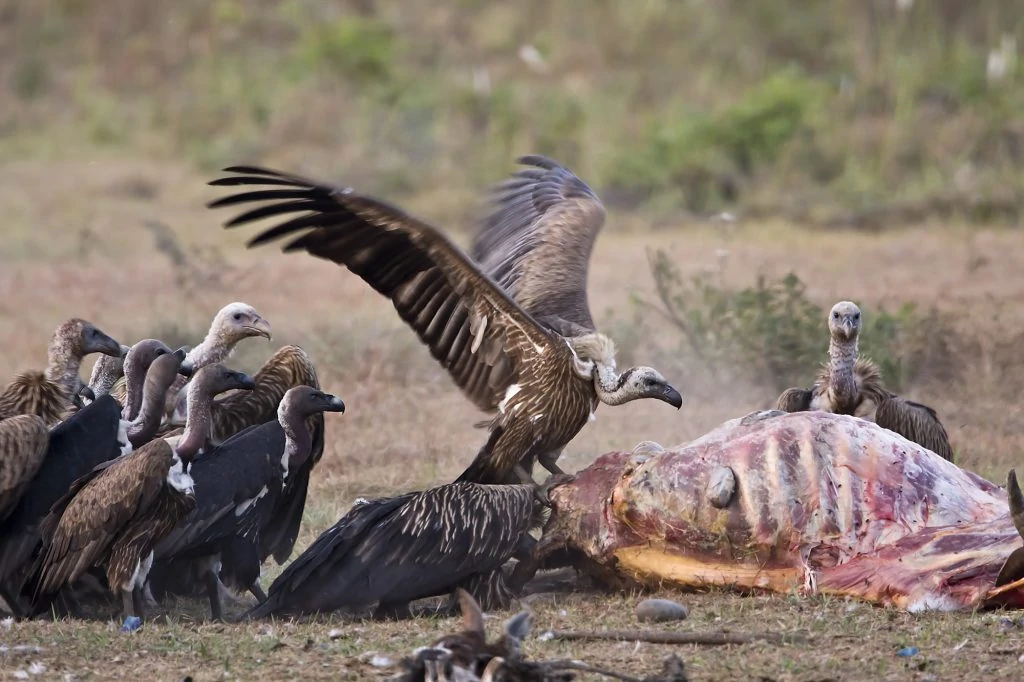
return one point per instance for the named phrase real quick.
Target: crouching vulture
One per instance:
(514, 331)
(115, 515)
(239, 486)
(852, 385)
(392, 551)
(49, 394)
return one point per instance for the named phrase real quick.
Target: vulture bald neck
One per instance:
(511, 324)
(852, 385)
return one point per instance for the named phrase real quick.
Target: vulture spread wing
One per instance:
(472, 327)
(537, 240)
(85, 523)
(915, 422)
(23, 442)
(399, 549)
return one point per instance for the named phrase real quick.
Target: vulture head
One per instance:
(163, 369)
(216, 378)
(237, 321)
(642, 382)
(142, 354)
(844, 322)
(303, 401)
(78, 338)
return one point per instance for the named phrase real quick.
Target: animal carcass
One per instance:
(819, 502)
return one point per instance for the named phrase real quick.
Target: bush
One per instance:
(775, 335)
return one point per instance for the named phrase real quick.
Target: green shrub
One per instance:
(356, 47)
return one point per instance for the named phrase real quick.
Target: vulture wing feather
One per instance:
(436, 289)
(915, 422)
(23, 442)
(537, 241)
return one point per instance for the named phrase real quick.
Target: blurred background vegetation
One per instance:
(862, 113)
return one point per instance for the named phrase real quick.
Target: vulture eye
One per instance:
(237, 316)
(857, 316)
(835, 316)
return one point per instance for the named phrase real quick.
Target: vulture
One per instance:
(234, 322)
(467, 655)
(23, 442)
(49, 394)
(392, 551)
(514, 331)
(238, 487)
(93, 435)
(116, 514)
(852, 385)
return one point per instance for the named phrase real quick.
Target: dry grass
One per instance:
(75, 244)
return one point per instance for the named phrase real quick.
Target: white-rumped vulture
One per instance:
(391, 551)
(239, 486)
(116, 514)
(515, 332)
(852, 385)
(50, 394)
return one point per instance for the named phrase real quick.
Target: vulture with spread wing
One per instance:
(514, 330)
(852, 385)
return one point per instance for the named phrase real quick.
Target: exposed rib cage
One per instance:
(822, 502)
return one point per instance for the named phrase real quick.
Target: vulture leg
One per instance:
(139, 600)
(257, 591)
(210, 571)
(549, 460)
(128, 604)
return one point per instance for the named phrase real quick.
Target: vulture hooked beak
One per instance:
(124, 351)
(244, 381)
(849, 326)
(671, 396)
(187, 367)
(101, 343)
(260, 327)
(334, 403)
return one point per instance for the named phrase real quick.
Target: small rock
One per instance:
(655, 610)
(335, 633)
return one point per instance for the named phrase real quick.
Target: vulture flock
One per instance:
(170, 474)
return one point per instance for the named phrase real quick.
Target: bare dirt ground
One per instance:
(75, 244)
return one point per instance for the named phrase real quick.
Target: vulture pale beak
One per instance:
(334, 403)
(671, 396)
(260, 327)
(848, 326)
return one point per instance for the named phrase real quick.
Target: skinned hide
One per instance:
(813, 501)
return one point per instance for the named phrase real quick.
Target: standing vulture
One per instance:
(87, 438)
(392, 551)
(49, 394)
(232, 323)
(852, 385)
(239, 485)
(523, 344)
(116, 514)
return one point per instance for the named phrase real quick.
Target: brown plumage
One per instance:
(23, 442)
(544, 376)
(289, 367)
(115, 515)
(105, 373)
(852, 385)
(49, 394)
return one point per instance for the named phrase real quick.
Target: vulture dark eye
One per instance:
(835, 316)
(237, 316)
(857, 316)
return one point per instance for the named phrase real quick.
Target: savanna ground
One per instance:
(114, 119)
